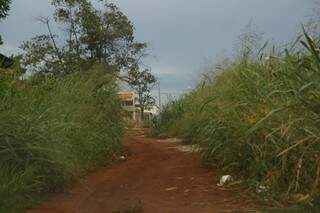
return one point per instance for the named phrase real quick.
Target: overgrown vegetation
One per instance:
(142, 83)
(59, 109)
(52, 130)
(91, 34)
(4, 8)
(258, 119)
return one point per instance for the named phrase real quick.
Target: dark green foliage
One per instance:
(52, 130)
(142, 82)
(42, 56)
(169, 115)
(259, 120)
(5, 62)
(92, 35)
(4, 8)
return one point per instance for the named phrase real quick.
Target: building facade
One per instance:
(132, 110)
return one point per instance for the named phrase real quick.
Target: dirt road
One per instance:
(155, 177)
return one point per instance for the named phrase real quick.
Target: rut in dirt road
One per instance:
(155, 178)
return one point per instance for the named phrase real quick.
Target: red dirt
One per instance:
(154, 178)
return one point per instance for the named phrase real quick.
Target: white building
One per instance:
(130, 103)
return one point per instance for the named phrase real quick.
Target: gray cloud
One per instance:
(181, 34)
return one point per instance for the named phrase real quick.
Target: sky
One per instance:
(184, 36)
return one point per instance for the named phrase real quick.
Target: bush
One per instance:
(52, 130)
(259, 120)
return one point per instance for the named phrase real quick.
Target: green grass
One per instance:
(53, 130)
(259, 120)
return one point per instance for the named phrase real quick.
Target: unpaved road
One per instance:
(154, 178)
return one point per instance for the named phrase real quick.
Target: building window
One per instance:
(127, 103)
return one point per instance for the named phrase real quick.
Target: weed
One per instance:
(52, 130)
(259, 120)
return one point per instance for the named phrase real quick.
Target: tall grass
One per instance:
(258, 119)
(52, 130)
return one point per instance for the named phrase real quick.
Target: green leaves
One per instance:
(4, 8)
(142, 82)
(311, 46)
(92, 34)
(52, 130)
(258, 120)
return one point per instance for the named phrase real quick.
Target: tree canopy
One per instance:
(142, 82)
(4, 8)
(91, 35)
(102, 35)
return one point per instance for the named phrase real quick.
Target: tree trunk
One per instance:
(142, 114)
(46, 21)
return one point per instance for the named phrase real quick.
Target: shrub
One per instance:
(259, 120)
(52, 130)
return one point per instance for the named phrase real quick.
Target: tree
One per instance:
(142, 82)
(107, 36)
(43, 56)
(4, 8)
(95, 35)
(67, 13)
(5, 62)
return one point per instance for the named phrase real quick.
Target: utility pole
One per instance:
(159, 94)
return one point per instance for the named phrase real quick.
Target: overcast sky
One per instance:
(183, 35)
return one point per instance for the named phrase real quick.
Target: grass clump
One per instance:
(258, 119)
(52, 130)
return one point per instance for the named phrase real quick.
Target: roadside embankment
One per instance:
(53, 130)
(258, 119)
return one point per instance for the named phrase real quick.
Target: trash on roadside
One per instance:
(171, 189)
(122, 157)
(262, 189)
(225, 180)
